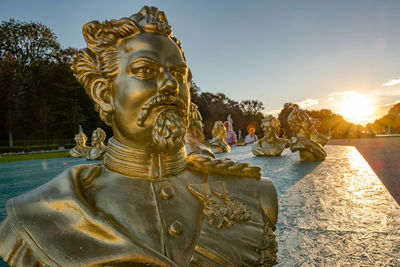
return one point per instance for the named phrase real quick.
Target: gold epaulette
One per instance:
(204, 164)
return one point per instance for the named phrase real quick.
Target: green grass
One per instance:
(22, 157)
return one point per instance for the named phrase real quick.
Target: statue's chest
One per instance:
(173, 217)
(164, 214)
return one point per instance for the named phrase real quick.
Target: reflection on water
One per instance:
(360, 183)
(335, 212)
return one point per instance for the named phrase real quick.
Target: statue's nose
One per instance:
(168, 84)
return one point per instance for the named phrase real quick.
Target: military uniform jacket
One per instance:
(92, 216)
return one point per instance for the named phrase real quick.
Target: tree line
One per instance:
(40, 100)
(42, 103)
(390, 123)
(217, 107)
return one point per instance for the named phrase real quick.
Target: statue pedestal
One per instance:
(335, 212)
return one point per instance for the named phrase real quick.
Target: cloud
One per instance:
(392, 82)
(382, 92)
(386, 92)
(390, 104)
(308, 103)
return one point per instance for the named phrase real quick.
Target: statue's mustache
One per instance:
(158, 100)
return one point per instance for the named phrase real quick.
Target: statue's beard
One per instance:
(169, 132)
(169, 128)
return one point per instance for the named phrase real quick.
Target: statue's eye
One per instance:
(144, 72)
(179, 74)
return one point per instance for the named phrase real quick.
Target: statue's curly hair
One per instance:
(219, 130)
(97, 65)
(101, 132)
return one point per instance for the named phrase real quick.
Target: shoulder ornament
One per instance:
(219, 207)
(225, 166)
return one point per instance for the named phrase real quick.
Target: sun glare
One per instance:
(356, 108)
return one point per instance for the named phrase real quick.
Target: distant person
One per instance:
(251, 137)
(231, 138)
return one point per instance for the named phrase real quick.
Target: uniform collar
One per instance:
(137, 162)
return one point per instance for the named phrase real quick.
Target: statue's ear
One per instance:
(102, 95)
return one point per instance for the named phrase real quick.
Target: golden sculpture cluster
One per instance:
(94, 152)
(147, 203)
(307, 140)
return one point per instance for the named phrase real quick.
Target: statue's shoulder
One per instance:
(224, 166)
(57, 203)
(65, 186)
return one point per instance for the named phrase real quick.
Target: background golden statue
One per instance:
(80, 149)
(219, 134)
(303, 128)
(270, 144)
(97, 149)
(195, 136)
(147, 203)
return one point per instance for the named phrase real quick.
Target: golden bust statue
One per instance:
(303, 127)
(270, 144)
(219, 134)
(80, 149)
(98, 149)
(147, 204)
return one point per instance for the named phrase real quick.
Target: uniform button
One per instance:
(166, 192)
(175, 228)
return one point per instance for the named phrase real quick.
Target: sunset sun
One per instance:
(356, 108)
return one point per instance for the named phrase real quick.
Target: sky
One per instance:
(338, 54)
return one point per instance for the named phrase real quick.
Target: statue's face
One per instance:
(96, 138)
(275, 123)
(80, 140)
(221, 132)
(150, 65)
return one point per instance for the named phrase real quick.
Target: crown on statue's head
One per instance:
(150, 19)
